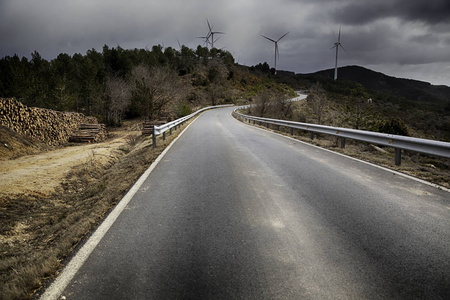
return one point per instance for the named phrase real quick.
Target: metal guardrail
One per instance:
(398, 142)
(158, 130)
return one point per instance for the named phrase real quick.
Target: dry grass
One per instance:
(38, 233)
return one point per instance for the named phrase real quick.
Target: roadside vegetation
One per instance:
(368, 100)
(349, 104)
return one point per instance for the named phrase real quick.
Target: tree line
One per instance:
(111, 84)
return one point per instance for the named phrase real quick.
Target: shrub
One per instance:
(394, 126)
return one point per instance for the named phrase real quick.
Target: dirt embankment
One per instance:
(39, 174)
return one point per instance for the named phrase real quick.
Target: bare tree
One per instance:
(282, 107)
(262, 104)
(217, 74)
(118, 98)
(317, 100)
(154, 88)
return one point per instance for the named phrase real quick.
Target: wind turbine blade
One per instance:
(209, 26)
(268, 38)
(343, 48)
(219, 32)
(339, 36)
(283, 36)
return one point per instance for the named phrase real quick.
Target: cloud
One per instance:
(364, 12)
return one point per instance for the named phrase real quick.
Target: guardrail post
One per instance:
(311, 135)
(267, 124)
(342, 142)
(164, 136)
(154, 136)
(398, 156)
(254, 122)
(292, 131)
(278, 127)
(170, 131)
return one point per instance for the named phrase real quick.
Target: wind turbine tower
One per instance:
(276, 48)
(337, 45)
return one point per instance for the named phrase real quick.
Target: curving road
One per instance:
(235, 212)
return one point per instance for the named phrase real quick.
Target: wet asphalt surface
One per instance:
(234, 212)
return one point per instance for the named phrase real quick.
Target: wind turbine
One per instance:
(206, 38)
(211, 33)
(276, 48)
(337, 45)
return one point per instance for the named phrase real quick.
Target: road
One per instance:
(235, 212)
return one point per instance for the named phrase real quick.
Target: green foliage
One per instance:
(263, 68)
(142, 99)
(80, 82)
(394, 126)
(182, 109)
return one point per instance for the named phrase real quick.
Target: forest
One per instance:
(118, 83)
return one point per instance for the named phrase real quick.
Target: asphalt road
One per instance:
(235, 212)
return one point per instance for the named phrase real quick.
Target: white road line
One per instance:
(57, 287)
(354, 158)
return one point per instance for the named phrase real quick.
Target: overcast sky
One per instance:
(402, 38)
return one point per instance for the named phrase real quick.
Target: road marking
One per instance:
(62, 281)
(356, 159)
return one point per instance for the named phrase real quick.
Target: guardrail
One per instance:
(158, 130)
(398, 142)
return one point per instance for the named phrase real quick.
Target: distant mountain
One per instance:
(410, 89)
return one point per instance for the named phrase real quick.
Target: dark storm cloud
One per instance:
(429, 11)
(363, 12)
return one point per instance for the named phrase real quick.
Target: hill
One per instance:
(414, 90)
(422, 107)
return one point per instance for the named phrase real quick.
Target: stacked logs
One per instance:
(88, 133)
(147, 129)
(48, 126)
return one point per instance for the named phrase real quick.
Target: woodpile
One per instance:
(147, 129)
(48, 126)
(88, 133)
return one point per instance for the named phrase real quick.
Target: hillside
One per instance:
(422, 109)
(118, 84)
(415, 90)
